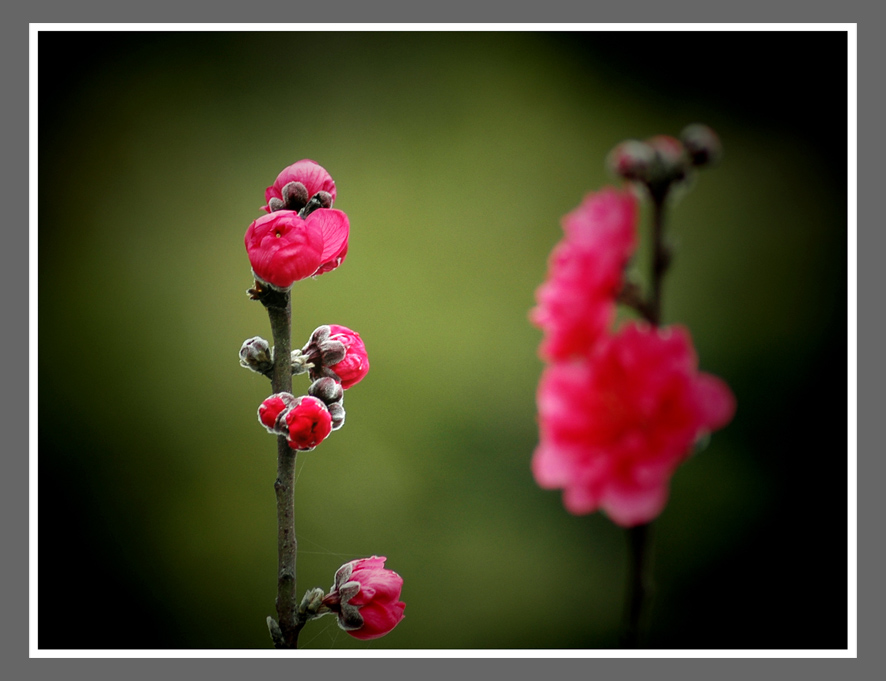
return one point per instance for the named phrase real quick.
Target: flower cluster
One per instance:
(302, 235)
(305, 421)
(662, 160)
(618, 410)
(336, 358)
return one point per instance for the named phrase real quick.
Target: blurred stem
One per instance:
(638, 584)
(660, 256)
(284, 485)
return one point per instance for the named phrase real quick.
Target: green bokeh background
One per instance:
(455, 156)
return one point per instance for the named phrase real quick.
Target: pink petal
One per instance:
(335, 228)
(715, 400)
(630, 506)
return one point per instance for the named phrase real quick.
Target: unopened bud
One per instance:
(326, 389)
(337, 413)
(631, 160)
(671, 161)
(319, 200)
(295, 196)
(702, 144)
(256, 355)
(312, 605)
(276, 633)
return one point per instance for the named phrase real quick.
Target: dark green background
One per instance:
(455, 156)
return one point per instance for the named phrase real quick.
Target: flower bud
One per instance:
(295, 196)
(256, 355)
(318, 200)
(310, 175)
(326, 389)
(631, 160)
(366, 598)
(336, 352)
(308, 423)
(702, 144)
(671, 161)
(271, 409)
(337, 414)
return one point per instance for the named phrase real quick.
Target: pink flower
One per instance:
(335, 352)
(366, 598)
(355, 365)
(614, 426)
(270, 410)
(309, 173)
(284, 248)
(308, 423)
(577, 302)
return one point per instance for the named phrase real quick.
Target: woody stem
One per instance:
(284, 485)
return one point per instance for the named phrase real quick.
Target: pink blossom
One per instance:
(366, 598)
(309, 173)
(271, 408)
(577, 302)
(614, 426)
(333, 351)
(308, 422)
(355, 365)
(284, 248)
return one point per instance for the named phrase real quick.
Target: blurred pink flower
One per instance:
(614, 426)
(366, 598)
(577, 302)
(309, 173)
(308, 422)
(284, 248)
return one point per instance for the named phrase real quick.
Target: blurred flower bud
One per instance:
(702, 144)
(631, 160)
(256, 355)
(671, 161)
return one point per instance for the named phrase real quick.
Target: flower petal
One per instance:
(335, 228)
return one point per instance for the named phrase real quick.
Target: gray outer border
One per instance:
(14, 273)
